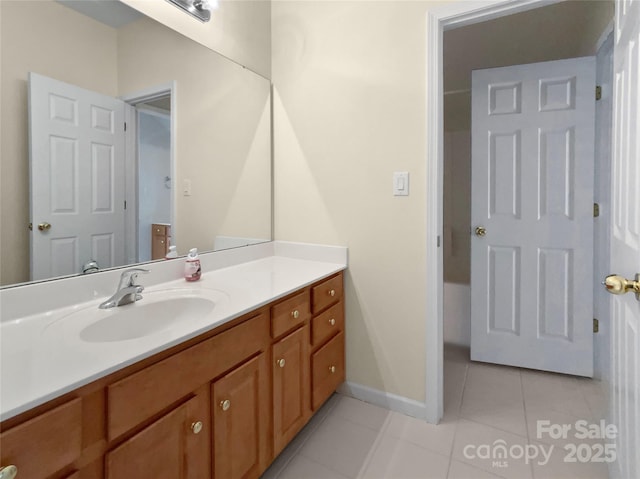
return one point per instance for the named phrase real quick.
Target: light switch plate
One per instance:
(186, 187)
(401, 183)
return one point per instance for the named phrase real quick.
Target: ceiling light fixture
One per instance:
(198, 8)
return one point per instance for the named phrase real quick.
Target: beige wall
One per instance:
(223, 133)
(239, 29)
(91, 63)
(349, 111)
(350, 89)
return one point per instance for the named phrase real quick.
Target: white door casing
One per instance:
(77, 177)
(624, 401)
(532, 190)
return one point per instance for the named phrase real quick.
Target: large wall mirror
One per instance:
(195, 159)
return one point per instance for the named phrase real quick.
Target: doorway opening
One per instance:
(450, 141)
(150, 153)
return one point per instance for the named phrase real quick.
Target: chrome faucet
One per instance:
(128, 291)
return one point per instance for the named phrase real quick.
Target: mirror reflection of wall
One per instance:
(223, 129)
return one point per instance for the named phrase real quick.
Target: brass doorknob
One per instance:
(616, 284)
(196, 427)
(225, 405)
(332, 369)
(480, 231)
(332, 322)
(295, 314)
(281, 362)
(332, 292)
(44, 226)
(8, 472)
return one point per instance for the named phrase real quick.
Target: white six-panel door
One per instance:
(77, 178)
(532, 192)
(625, 240)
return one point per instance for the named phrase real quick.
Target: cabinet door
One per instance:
(241, 421)
(291, 384)
(173, 447)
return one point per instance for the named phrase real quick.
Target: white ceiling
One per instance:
(564, 30)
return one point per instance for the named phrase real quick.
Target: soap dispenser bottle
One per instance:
(192, 270)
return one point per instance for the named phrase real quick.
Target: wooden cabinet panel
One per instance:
(167, 449)
(290, 386)
(328, 370)
(46, 443)
(160, 240)
(289, 314)
(138, 397)
(326, 324)
(326, 293)
(240, 412)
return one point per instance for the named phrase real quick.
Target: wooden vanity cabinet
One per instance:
(327, 339)
(221, 406)
(291, 407)
(176, 446)
(240, 410)
(160, 240)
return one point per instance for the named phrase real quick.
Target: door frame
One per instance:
(439, 19)
(131, 161)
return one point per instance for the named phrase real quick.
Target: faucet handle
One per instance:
(128, 276)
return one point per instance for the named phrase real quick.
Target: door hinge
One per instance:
(125, 126)
(125, 204)
(598, 92)
(596, 210)
(596, 325)
(438, 241)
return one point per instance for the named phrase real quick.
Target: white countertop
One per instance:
(42, 357)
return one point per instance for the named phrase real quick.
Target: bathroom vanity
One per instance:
(223, 401)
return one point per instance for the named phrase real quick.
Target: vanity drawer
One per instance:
(161, 230)
(327, 370)
(289, 313)
(326, 293)
(141, 395)
(327, 324)
(45, 444)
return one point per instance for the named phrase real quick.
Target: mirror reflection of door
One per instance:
(155, 182)
(77, 178)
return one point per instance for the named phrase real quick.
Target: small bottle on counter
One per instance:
(172, 253)
(192, 270)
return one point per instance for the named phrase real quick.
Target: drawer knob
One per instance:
(295, 314)
(332, 322)
(196, 427)
(332, 292)
(332, 369)
(281, 362)
(8, 472)
(225, 405)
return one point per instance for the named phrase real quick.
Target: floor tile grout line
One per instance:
(455, 432)
(308, 435)
(374, 448)
(526, 420)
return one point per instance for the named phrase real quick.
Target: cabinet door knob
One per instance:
(332, 322)
(196, 427)
(8, 472)
(295, 314)
(332, 292)
(225, 405)
(281, 362)
(332, 369)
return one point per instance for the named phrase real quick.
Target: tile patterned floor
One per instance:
(484, 405)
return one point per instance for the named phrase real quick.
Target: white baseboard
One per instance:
(393, 402)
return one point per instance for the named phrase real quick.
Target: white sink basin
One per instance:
(157, 311)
